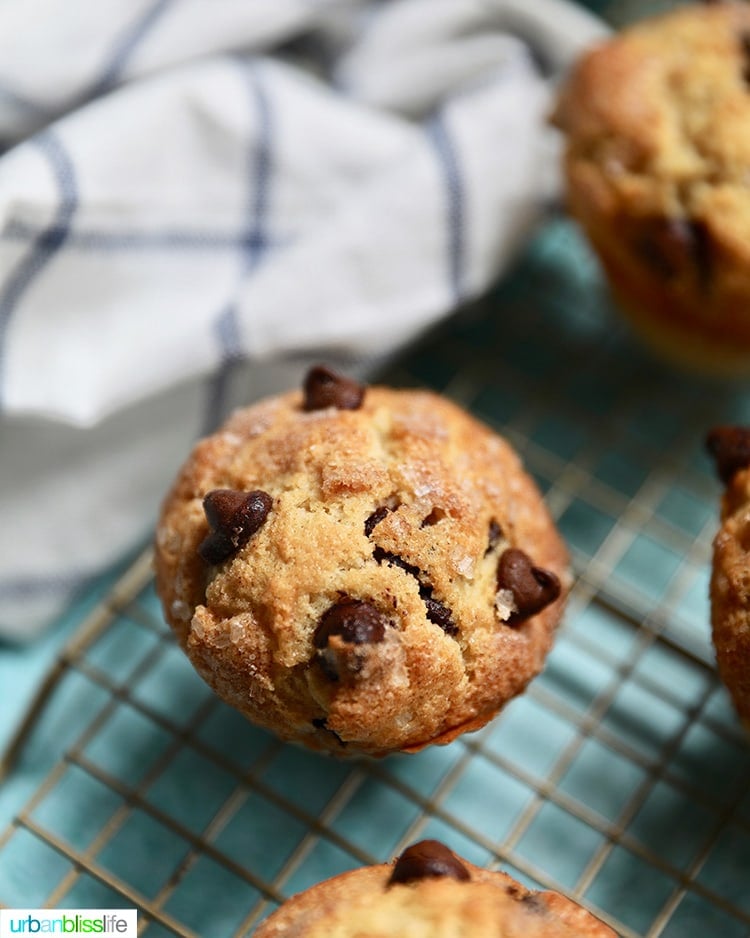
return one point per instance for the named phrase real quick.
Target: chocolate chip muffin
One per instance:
(361, 570)
(430, 892)
(730, 578)
(657, 165)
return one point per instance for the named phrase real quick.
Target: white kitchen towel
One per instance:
(199, 196)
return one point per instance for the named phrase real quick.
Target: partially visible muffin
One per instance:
(361, 570)
(429, 892)
(657, 167)
(730, 576)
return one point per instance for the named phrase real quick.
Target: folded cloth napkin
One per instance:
(196, 198)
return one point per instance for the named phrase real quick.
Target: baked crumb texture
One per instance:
(730, 578)
(444, 897)
(401, 581)
(657, 163)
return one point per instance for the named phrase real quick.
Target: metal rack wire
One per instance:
(620, 777)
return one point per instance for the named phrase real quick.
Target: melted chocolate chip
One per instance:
(494, 534)
(702, 254)
(670, 245)
(730, 448)
(375, 518)
(516, 891)
(233, 517)
(535, 903)
(328, 664)
(356, 621)
(325, 388)
(427, 859)
(321, 723)
(385, 556)
(533, 587)
(745, 51)
(437, 612)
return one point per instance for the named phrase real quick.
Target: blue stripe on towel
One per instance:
(22, 103)
(93, 239)
(116, 62)
(256, 243)
(124, 48)
(46, 245)
(260, 174)
(455, 204)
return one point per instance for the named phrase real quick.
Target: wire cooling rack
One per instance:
(621, 777)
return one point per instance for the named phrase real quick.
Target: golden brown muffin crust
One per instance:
(365, 904)
(405, 506)
(657, 162)
(730, 576)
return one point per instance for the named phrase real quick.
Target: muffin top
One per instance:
(657, 122)
(360, 570)
(429, 892)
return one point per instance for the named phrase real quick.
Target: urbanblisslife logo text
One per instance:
(102, 923)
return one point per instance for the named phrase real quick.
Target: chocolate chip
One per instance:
(321, 723)
(325, 388)
(356, 621)
(375, 518)
(670, 245)
(664, 244)
(702, 253)
(745, 52)
(328, 664)
(233, 517)
(427, 859)
(437, 612)
(493, 536)
(730, 448)
(535, 902)
(533, 588)
(385, 556)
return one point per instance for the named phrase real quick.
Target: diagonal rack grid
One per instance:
(620, 777)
